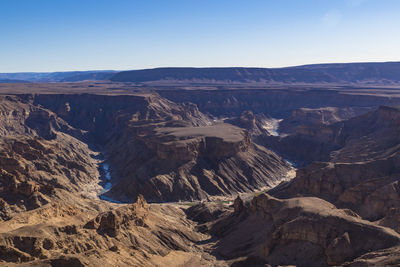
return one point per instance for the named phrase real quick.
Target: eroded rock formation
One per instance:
(343, 211)
(297, 231)
(181, 163)
(132, 235)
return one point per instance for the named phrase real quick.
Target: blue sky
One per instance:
(59, 35)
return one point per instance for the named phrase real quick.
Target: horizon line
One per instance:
(203, 67)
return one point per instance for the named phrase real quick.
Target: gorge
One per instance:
(128, 175)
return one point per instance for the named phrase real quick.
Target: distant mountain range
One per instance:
(68, 76)
(12, 81)
(387, 73)
(374, 73)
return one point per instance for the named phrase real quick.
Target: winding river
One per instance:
(106, 178)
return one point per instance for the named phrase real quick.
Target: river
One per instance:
(272, 125)
(106, 180)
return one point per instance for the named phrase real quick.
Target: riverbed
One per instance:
(106, 180)
(272, 126)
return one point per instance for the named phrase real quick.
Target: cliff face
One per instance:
(297, 231)
(305, 118)
(102, 116)
(276, 103)
(40, 159)
(256, 124)
(180, 163)
(362, 172)
(368, 188)
(373, 135)
(35, 172)
(20, 116)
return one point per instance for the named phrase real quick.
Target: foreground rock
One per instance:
(131, 235)
(298, 231)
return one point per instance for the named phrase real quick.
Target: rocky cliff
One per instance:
(40, 159)
(181, 163)
(278, 103)
(296, 231)
(362, 172)
(305, 118)
(373, 135)
(131, 235)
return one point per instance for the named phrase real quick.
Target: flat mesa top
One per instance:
(118, 88)
(227, 132)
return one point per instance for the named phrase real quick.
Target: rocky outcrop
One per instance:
(186, 163)
(363, 171)
(297, 231)
(215, 142)
(42, 158)
(34, 170)
(206, 212)
(238, 205)
(278, 103)
(371, 136)
(302, 119)
(255, 124)
(20, 116)
(111, 222)
(369, 188)
(266, 230)
(392, 219)
(383, 257)
(103, 116)
(130, 235)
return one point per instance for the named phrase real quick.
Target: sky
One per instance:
(63, 35)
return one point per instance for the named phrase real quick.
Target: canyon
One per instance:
(201, 170)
